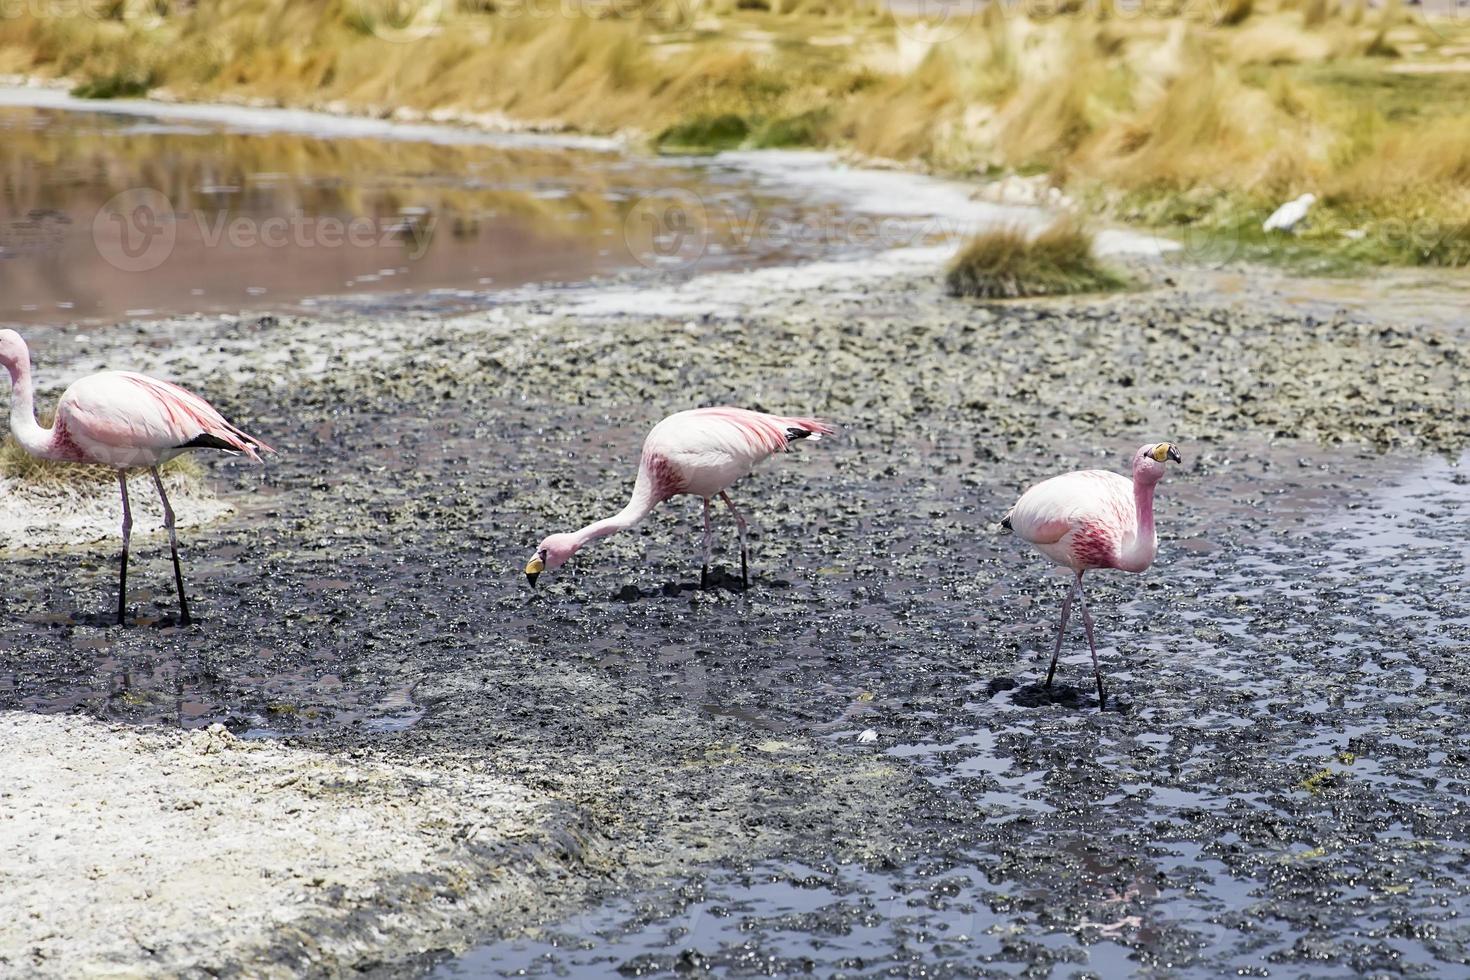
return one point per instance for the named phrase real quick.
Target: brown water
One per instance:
(106, 215)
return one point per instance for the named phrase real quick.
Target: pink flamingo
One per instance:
(123, 420)
(702, 451)
(1093, 519)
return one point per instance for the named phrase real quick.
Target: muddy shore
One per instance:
(1308, 615)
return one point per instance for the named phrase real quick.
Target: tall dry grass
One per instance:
(1206, 111)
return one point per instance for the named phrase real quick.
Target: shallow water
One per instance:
(1341, 568)
(110, 214)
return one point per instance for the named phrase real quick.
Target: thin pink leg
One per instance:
(1087, 621)
(1061, 631)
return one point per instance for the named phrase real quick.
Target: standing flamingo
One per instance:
(1093, 519)
(123, 420)
(702, 451)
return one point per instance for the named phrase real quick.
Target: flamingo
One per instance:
(702, 451)
(125, 421)
(1093, 519)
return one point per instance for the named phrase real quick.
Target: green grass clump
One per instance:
(1342, 235)
(705, 134)
(1007, 263)
(120, 86)
(802, 129)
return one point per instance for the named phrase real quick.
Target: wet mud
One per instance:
(1280, 784)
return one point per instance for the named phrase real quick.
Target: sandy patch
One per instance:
(161, 853)
(51, 516)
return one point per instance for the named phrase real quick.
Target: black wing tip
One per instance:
(206, 441)
(794, 433)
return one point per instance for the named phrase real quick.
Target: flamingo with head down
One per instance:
(125, 421)
(1093, 519)
(702, 452)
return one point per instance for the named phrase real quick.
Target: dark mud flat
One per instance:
(1281, 785)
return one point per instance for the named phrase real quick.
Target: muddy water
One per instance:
(1280, 784)
(1291, 725)
(106, 215)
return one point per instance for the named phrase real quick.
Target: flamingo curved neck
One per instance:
(1145, 545)
(23, 425)
(639, 506)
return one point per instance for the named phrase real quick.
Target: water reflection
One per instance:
(104, 216)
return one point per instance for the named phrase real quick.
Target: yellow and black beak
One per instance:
(534, 567)
(1166, 451)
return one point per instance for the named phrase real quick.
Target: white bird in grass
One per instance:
(702, 451)
(1093, 519)
(1290, 214)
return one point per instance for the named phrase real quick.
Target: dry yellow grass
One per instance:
(1206, 112)
(45, 476)
(1009, 262)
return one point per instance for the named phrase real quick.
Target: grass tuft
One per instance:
(48, 477)
(119, 86)
(1007, 263)
(707, 134)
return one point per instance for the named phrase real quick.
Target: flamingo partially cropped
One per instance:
(702, 452)
(125, 421)
(1093, 519)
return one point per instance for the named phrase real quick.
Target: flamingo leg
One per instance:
(173, 544)
(127, 534)
(709, 546)
(1061, 632)
(1087, 621)
(740, 527)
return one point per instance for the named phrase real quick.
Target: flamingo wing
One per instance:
(733, 433)
(704, 450)
(120, 412)
(1048, 511)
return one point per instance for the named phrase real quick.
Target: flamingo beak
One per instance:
(1174, 454)
(534, 567)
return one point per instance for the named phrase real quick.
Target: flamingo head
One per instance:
(13, 352)
(1307, 199)
(1148, 462)
(551, 553)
